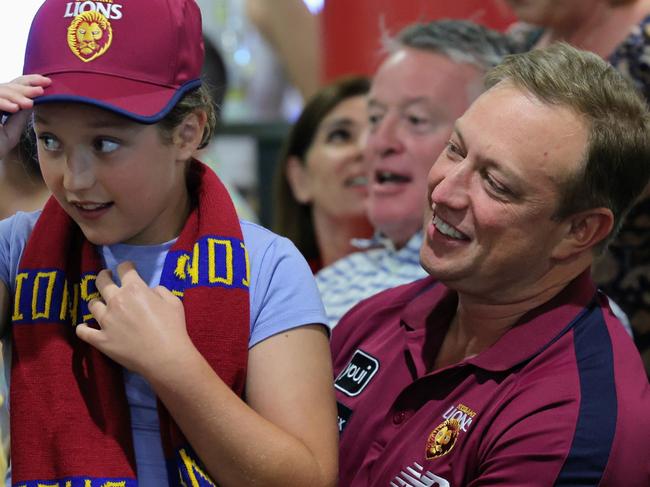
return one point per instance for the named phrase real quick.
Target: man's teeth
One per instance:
(390, 177)
(447, 230)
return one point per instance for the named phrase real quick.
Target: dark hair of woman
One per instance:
(290, 217)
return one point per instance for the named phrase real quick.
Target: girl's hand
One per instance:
(16, 100)
(142, 329)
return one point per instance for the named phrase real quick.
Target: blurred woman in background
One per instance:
(320, 186)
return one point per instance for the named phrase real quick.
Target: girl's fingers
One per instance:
(128, 274)
(19, 93)
(89, 335)
(98, 308)
(105, 285)
(13, 101)
(32, 80)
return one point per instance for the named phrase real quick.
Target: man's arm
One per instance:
(294, 33)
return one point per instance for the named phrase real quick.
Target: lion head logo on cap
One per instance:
(442, 439)
(89, 35)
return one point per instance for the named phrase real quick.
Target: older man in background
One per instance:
(432, 73)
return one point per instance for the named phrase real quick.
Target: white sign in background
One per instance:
(16, 17)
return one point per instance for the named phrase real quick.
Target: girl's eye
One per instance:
(49, 142)
(105, 145)
(338, 135)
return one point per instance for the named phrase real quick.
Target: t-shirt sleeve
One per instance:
(283, 290)
(5, 231)
(14, 232)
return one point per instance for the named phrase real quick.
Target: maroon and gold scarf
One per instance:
(69, 415)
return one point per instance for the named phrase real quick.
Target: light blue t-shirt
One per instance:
(283, 295)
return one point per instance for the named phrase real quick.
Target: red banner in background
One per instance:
(352, 29)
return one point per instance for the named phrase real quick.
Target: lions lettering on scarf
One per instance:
(46, 295)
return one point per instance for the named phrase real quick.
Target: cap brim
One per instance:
(142, 102)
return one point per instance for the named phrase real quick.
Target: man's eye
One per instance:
(374, 119)
(49, 142)
(453, 149)
(106, 145)
(415, 120)
(495, 186)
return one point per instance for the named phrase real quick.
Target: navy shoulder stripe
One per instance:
(596, 422)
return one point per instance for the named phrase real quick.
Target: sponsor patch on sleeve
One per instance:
(345, 413)
(357, 374)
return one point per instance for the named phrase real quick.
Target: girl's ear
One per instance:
(298, 180)
(189, 134)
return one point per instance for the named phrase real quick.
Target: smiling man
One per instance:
(506, 366)
(431, 74)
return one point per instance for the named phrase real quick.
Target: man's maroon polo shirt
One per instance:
(561, 399)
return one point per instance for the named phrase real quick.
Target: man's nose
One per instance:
(450, 185)
(384, 139)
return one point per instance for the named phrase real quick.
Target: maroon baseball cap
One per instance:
(134, 57)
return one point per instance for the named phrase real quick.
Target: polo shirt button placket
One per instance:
(400, 417)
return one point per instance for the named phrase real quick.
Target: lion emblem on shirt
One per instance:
(442, 439)
(89, 35)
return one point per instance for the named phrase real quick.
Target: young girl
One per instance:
(196, 356)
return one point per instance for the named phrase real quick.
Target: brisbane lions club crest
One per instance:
(442, 439)
(89, 35)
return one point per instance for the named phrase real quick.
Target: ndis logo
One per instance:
(357, 374)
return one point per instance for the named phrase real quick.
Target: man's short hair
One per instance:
(461, 40)
(616, 168)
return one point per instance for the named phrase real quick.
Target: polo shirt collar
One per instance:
(532, 333)
(427, 305)
(538, 328)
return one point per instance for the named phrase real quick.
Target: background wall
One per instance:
(352, 28)
(16, 18)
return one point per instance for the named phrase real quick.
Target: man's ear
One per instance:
(585, 230)
(188, 135)
(298, 180)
